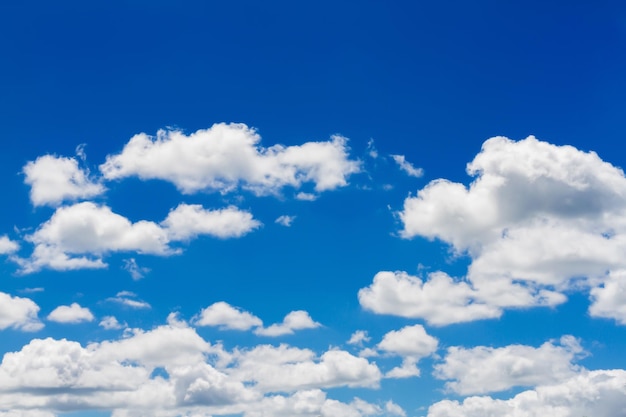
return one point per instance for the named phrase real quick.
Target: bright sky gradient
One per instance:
(313, 209)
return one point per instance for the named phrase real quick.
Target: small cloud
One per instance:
(306, 196)
(227, 317)
(136, 272)
(32, 290)
(371, 149)
(407, 167)
(368, 353)
(126, 298)
(72, 314)
(7, 246)
(358, 338)
(285, 220)
(296, 320)
(80, 152)
(111, 323)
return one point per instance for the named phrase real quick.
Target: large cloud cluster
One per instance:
(171, 371)
(536, 221)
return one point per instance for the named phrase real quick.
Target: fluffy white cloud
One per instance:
(359, 337)
(285, 220)
(8, 246)
(189, 221)
(55, 179)
(591, 393)
(73, 313)
(284, 368)
(609, 298)
(227, 156)
(440, 300)
(19, 313)
(484, 369)
(225, 316)
(172, 371)
(296, 320)
(78, 236)
(311, 403)
(407, 167)
(538, 219)
(111, 323)
(411, 343)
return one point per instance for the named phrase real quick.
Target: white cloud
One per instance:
(136, 272)
(310, 403)
(91, 230)
(609, 298)
(394, 409)
(7, 246)
(111, 323)
(439, 300)
(407, 167)
(599, 393)
(172, 371)
(189, 221)
(537, 220)
(56, 179)
(285, 220)
(225, 316)
(306, 196)
(73, 313)
(80, 235)
(228, 156)
(32, 290)
(411, 343)
(359, 337)
(286, 369)
(484, 369)
(295, 320)
(19, 313)
(128, 299)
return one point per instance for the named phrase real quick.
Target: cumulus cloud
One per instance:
(227, 317)
(73, 313)
(296, 320)
(537, 220)
(411, 343)
(407, 167)
(439, 300)
(599, 393)
(172, 371)
(358, 338)
(286, 369)
(7, 246)
(111, 323)
(312, 403)
(56, 179)
(188, 221)
(229, 156)
(485, 369)
(285, 220)
(19, 313)
(80, 235)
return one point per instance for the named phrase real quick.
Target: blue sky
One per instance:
(338, 209)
